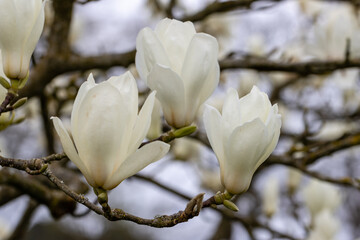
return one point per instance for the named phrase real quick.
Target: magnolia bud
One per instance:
(181, 65)
(21, 24)
(243, 136)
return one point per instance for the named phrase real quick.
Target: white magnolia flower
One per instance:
(332, 34)
(243, 136)
(270, 197)
(325, 226)
(107, 131)
(332, 130)
(181, 65)
(21, 24)
(319, 196)
(186, 149)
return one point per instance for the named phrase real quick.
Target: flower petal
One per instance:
(142, 124)
(171, 94)
(242, 155)
(253, 105)
(212, 123)
(69, 148)
(200, 61)
(149, 52)
(137, 161)
(175, 36)
(84, 88)
(272, 136)
(231, 111)
(126, 85)
(36, 30)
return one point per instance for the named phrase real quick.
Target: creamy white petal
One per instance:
(84, 88)
(10, 38)
(242, 155)
(2, 74)
(273, 142)
(149, 52)
(162, 26)
(212, 82)
(200, 58)
(242, 148)
(171, 94)
(34, 34)
(255, 104)
(176, 45)
(137, 161)
(142, 124)
(126, 85)
(237, 183)
(70, 149)
(231, 110)
(212, 124)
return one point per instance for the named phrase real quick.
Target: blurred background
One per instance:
(305, 54)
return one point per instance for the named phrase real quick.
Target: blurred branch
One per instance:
(312, 155)
(169, 9)
(24, 222)
(218, 7)
(227, 6)
(320, 151)
(47, 124)
(162, 186)
(51, 67)
(301, 68)
(86, 1)
(59, 33)
(57, 202)
(81, 63)
(8, 193)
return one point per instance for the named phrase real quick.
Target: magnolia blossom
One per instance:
(270, 197)
(319, 196)
(21, 24)
(331, 35)
(181, 65)
(107, 131)
(186, 149)
(325, 226)
(243, 136)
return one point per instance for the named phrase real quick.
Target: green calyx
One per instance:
(102, 195)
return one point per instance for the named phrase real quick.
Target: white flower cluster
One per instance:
(180, 66)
